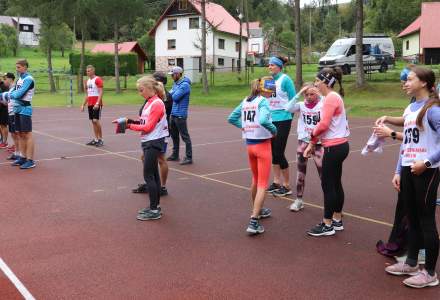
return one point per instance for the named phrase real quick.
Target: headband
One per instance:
(327, 78)
(276, 61)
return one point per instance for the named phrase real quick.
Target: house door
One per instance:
(432, 56)
(180, 62)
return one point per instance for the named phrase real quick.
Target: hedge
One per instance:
(105, 63)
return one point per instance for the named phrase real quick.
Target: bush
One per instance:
(105, 63)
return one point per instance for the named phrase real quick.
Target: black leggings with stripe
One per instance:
(419, 193)
(279, 143)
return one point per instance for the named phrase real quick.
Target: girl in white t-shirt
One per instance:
(310, 115)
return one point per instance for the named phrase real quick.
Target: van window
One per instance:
(366, 49)
(352, 50)
(336, 50)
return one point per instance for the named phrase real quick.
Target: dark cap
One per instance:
(9, 75)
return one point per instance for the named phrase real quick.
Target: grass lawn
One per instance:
(382, 95)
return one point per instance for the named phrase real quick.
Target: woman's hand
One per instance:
(382, 131)
(382, 120)
(396, 182)
(308, 151)
(418, 167)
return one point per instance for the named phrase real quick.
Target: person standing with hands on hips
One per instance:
(180, 93)
(93, 99)
(282, 119)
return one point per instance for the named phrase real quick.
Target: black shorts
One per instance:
(94, 114)
(23, 123)
(11, 123)
(4, 116)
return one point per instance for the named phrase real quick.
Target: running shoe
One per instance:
(321, 230)
(99, 143)
(29, 164)
(92, 143)
(254, 227)
(297, 205)
(421, 280)
(149, 214)
(163, 191)
(402, 268)
(337, 225)
(12, 157)
(19, 161)
(11, 148)
(145, 210)
(273, 187)
(3, 145)
(265, 213)
(141, 189)
(186, 161)
(282, 191)
(438, 201)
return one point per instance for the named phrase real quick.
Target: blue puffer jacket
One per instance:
(180, 93)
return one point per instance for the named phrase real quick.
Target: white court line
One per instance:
(11, 276)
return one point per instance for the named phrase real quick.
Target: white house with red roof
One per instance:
(421, 39)
(178, 34)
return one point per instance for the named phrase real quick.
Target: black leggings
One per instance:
(331, 182)
(419, 194)
(279, 143)
(152, 150)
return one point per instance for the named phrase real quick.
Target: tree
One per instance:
(10, 34)
(64, 38)
(118, 14)
(204, 74)
(298, 52)
(360, 75)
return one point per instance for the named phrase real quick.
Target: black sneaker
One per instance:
(265, 213)
(99, 143)
(149, 214)
(254, 227)
(321, 230)
(92, 143)
(141, 189)
(273, 187)
(186, 161)
(173, 158)
(337, 225)
(163, 191)
(282, 191)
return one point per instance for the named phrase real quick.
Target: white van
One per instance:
(378, 54)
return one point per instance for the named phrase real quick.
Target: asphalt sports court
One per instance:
(69, 228)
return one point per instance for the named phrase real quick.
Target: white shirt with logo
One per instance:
(418, 144)
(308, 119)
(161, 129)
(250, 122)
(280, 98)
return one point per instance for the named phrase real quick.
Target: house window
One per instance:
(221, 43)
(194, 23)
(183, 4)
(26, 28)
(172, 24)
(220, 61)
(171, 62)
(171, 44)
(237, 46)
(407, 45)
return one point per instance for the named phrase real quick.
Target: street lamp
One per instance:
(240, 17)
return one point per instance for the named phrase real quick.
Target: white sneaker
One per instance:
(297, 205)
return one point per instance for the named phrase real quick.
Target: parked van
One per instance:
(378, 54)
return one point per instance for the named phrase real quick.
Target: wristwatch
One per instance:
(393, 135)
(427, 163)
